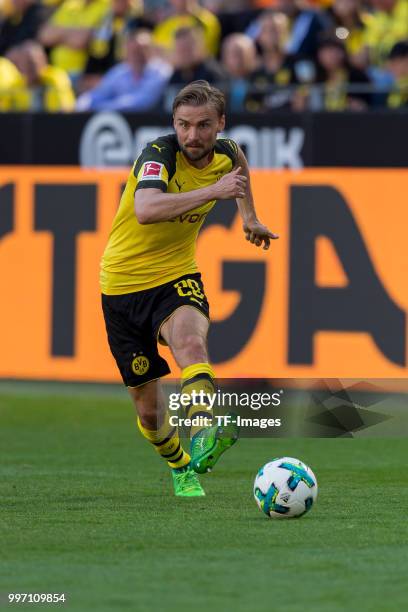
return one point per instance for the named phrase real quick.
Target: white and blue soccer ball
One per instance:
(285, 488)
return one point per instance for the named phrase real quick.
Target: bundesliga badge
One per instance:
(152, 170)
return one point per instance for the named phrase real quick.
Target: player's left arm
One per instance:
(255, 231)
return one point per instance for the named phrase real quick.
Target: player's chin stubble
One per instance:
(194, 155)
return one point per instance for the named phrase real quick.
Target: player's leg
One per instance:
(185, 331)
(154, 424)
(141, 366)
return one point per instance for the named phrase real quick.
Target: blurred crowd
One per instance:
(135, 55)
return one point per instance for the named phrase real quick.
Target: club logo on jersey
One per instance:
(152, 170)
(140, 365)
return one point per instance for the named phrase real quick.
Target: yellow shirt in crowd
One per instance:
(10, 81)
(383, 30)
(76, 14)
(53, 93)
(163, 33)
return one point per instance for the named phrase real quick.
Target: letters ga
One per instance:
(363, 305)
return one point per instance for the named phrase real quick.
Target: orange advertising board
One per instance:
(329, 298)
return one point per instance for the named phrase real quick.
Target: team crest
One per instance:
(140, 365)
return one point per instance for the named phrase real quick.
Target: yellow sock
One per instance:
(167, 443)
(198, 377)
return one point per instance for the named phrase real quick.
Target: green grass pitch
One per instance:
(87, 509)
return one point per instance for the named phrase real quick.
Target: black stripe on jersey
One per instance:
(152, 185)
(227, 147)
(162, 150)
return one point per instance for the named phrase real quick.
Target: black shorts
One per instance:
(133, 322)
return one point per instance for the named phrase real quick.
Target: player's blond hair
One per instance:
(199, 93)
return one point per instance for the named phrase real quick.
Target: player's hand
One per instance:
(257, 233)
(231, 185)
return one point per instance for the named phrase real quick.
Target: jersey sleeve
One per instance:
(229, 147)
(155, 166)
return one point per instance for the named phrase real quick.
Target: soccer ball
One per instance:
(285, 488)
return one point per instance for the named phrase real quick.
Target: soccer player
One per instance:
(151, 288)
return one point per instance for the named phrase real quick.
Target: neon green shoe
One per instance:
(186, 483)
(210, 443)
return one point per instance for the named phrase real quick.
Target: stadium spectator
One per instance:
(341, 86)
(267, 4)
(233, 15)
(10, 81)
(398, 66)
(134, 85)
(386, 26)
(190, 61)
(106, 47)
(88, 39)
(232, 6)
(344, 18)
(41, 87)
(239, 59)
(276, 69)
(305, 27)
(188, 13)
(21, 22)
(191, 64)
(69, 31)
(150, 14)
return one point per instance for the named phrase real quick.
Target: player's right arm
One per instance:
(154, 206)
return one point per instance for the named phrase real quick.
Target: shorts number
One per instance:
(187, 287)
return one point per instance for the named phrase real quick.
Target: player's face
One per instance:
(196, 129)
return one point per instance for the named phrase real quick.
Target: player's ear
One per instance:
(221, 123)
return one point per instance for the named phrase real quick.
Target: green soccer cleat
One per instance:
(210, 443)
(186, 483)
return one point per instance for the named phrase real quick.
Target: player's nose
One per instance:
(192, 134)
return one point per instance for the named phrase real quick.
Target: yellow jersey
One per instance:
(139, 256)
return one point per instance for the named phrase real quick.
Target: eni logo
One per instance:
(140, 365)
